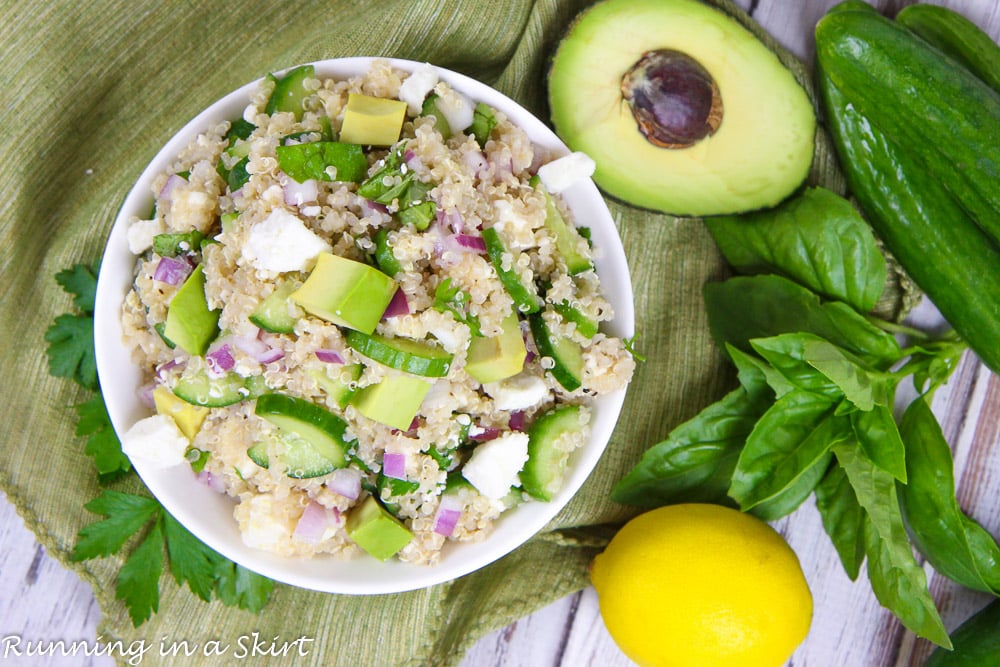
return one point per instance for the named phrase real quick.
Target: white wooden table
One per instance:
(40, 599)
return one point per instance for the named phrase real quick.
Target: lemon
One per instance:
(698, 585)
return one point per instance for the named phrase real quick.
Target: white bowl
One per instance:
(209, 515)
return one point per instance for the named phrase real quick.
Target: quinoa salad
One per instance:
(364, 313)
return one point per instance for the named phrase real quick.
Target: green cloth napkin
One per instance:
(90, 93)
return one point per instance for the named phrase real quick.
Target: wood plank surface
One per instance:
(39, 599)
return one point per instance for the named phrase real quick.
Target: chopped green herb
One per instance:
(448, 299)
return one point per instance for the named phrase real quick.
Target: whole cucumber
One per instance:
(928, 105)
(952, 260)
(958, 37)
(976, 642)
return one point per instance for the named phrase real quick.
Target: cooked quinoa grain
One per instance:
(304, 390)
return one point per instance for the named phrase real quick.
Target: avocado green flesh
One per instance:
(761, 152)
(494, 358)
(191, 324)
(394, 401)
(376, 531)
(346, 292)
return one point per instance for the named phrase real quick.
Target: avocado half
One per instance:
(683, 109)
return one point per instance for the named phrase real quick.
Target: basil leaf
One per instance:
(786, 354)
(843, 519)
(756, 375)
(957, 546)
(818, 239)
(878, 436)
(747, 307)
(788, 440)
(316, 160)
(695, 462)
(793, 496)
(861, 386)
(896, 578)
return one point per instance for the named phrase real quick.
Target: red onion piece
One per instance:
(474, 243)
(477, 162)
(449, 511)
(516, 422)
(272, 355)
(252, 346)
(167, 191)
(221, 359)
(297, 194)
(145, 394)
(313, 523)
(328, 356)
(398, 305)
(482, 434)
(394, 465)
(452, 218)
(368, 207)
(346, 482)
(214, 482)
(171, 270)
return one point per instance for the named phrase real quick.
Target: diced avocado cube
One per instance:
(376, 531)
(372, 121)
(188, 417)
(345, 292)
(394, 401)
(497, 357)
(191, 324)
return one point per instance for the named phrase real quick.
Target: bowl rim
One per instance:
(208, 514)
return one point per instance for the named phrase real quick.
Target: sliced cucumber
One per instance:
(276, 312)
(430, 108)
(199, 388)
(312, 435)
(404, 354)
(524, 294)
(257, 452)
(586, 325)
(569, 242)
(567, 356)
(300, 458)
(543, 472)
(340, 389)
(290, 91)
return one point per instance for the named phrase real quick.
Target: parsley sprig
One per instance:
(449, 299)
(133, 525)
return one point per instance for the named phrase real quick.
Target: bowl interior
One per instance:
(207, 514)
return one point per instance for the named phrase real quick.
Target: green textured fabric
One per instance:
(92, 90)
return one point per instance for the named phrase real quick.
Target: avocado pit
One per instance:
(673, 98)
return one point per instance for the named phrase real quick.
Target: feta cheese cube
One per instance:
(456, 108)
(155, 441)
(563, 172)
(494, 465)
(141, 234)
(519, 392)
(416, 86)
(282, 242)
(263, 527)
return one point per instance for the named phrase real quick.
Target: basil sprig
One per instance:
(813, 413)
